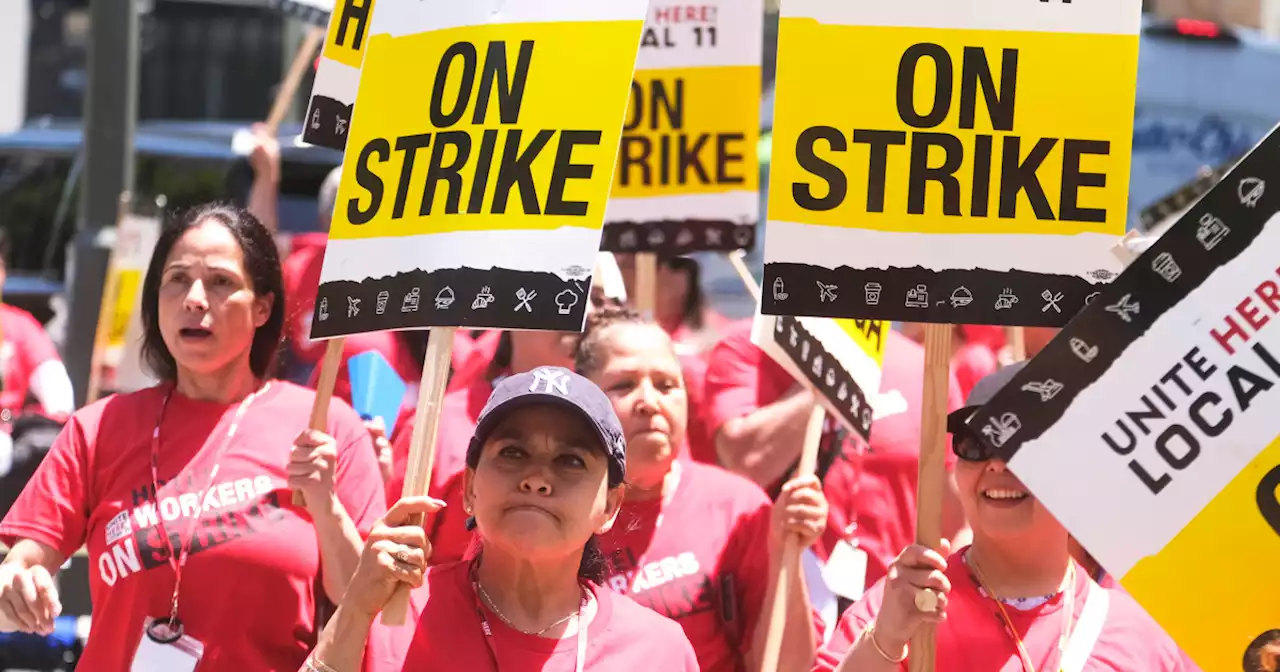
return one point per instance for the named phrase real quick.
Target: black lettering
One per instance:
(1189, 440)
(981, 202)
(871, 330)
(409, 144)
(1018, 176)
(357, 13)
(837, 184)
(975, 71)
(878, 165)
(1129, 446)
(1173, 377)
(1073, 179)
(440, 118)
(450, 172)
(1268, 501)
(672, 105)
(516, 169)
(380, 148)
(565, 169)
(484, 161)
(1197, 362)
(688, 157)
(141, 495)
(1155, 485)
(510, 89)
(634, 108)
(1138, 418)
(640, 159)
(1196, 411)
(907, 85)
(921, 174)
(1256, 385)
(724, 157)
(1155, 389)
(1267, 358)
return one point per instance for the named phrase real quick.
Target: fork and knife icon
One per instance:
(1051, 301)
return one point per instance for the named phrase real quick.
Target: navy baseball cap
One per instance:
(965, 444)
(555, 386)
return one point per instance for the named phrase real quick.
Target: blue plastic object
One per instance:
(376, 389)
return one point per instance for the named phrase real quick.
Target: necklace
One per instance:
(489, 601)
(1068, 611)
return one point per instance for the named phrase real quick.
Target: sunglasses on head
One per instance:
(968, 448)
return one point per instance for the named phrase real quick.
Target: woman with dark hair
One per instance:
(181, 491)
(694, 542)
(544, 476)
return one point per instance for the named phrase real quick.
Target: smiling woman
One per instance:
(545, 474)
(178, 488)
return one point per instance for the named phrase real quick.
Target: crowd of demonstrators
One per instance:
(758, 413)
(1013, 600)
(29, 363)
(545, 477)
(694, 542)
(181, 491)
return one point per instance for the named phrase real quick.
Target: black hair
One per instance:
(587, 356)
(501, 361)
(261, 265)
(691, 311)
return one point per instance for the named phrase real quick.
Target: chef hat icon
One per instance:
(566, 300)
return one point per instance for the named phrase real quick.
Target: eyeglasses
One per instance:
(968, 448)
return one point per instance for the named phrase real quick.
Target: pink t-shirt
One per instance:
(24, 346)
(248, 589)
(622, 635)
(973, 638)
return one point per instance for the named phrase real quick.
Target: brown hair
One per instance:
(587, 357)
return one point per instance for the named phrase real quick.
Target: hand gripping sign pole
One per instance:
(790, 559)
(508, 231)
(978, 199)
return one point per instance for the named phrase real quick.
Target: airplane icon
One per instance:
(827, 292)
(1124, 308)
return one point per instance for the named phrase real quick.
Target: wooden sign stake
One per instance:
(422, 446)
(791, 550)
(646, 284)
(744, 273)
(289, 85)
(324, 392)
(933, 467)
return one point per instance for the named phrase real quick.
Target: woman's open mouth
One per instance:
(195, 333)
(1004, 496)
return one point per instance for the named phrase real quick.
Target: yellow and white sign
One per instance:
(136, 237)
(841, 360)
(478, 165)
(1148, 427)
(688, 176)
(337, 80)
(950, 148)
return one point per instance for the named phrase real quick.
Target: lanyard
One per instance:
(580, 659)
(178, 562)
(1068, 612)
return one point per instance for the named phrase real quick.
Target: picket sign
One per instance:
(472, 197)
(948, 162)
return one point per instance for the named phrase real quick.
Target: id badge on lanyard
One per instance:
(164, 648)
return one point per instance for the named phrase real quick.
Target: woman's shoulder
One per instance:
(144, 403)
(1130, 630)
(716, 483)
(627, 615)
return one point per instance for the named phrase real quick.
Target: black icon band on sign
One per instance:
(678, 236)
(826, 374)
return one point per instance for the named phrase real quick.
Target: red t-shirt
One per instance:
(24, 346)
(249, 586)
(301, 271)
(621, 636)
(974, 638)
(972, 362)
(709, 557)
(881, 495)
(472, 361)
(387, 344)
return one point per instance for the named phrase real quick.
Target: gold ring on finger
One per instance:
(402, 557)
(926, 600)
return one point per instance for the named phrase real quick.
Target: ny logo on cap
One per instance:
(551, 380)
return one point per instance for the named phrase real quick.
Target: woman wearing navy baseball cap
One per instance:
(545, 474)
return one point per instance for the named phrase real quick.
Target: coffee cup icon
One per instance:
(873, 290)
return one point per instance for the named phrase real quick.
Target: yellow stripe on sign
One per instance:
(869, 336)
(952, 131)
(348, 32)
(538, 155)
(690, 131)
(1214, 587)
(125, 285)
